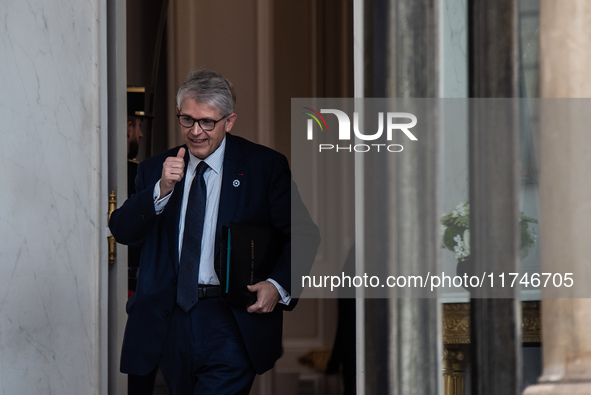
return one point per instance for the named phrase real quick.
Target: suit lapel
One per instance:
(230, 189)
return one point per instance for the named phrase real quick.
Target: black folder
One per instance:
(248, 254)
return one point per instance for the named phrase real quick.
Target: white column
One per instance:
(52, 225)
(565, 219)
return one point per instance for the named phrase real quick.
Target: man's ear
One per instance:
(177, 110)
(230, 122)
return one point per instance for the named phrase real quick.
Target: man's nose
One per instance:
(196, 128)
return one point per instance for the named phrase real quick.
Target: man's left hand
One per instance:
(267, 297)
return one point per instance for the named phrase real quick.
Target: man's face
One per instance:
(201, 143)
(134, 135)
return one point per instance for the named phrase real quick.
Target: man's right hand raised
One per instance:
(173, 171)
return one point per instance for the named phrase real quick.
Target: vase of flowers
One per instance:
(456, 235)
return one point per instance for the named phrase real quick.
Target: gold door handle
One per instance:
(111, 238)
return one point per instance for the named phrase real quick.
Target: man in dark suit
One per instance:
(135, 117)
(144, 384)
(176, 319)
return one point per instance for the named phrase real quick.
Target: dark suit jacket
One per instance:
(133, 252)
(263, 196)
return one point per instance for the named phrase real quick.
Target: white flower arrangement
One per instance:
(456, 232)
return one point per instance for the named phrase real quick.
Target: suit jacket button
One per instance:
(167, 313)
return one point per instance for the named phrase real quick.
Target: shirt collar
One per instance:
(215, 161)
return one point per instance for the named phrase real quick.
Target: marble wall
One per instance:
(51, 222)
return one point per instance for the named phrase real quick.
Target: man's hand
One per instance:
(267, 297)
(173, 171)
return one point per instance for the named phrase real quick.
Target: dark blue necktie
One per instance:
(191, 252)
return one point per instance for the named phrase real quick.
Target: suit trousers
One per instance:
(204, 352)
(142, 384)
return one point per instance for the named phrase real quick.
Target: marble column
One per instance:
(52, 221)
(565, 34)
(415, 328)
(494, 204)
(401, 61)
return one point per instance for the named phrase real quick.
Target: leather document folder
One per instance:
(248, 254)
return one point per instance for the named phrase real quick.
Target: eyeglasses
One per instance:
(205, 124)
